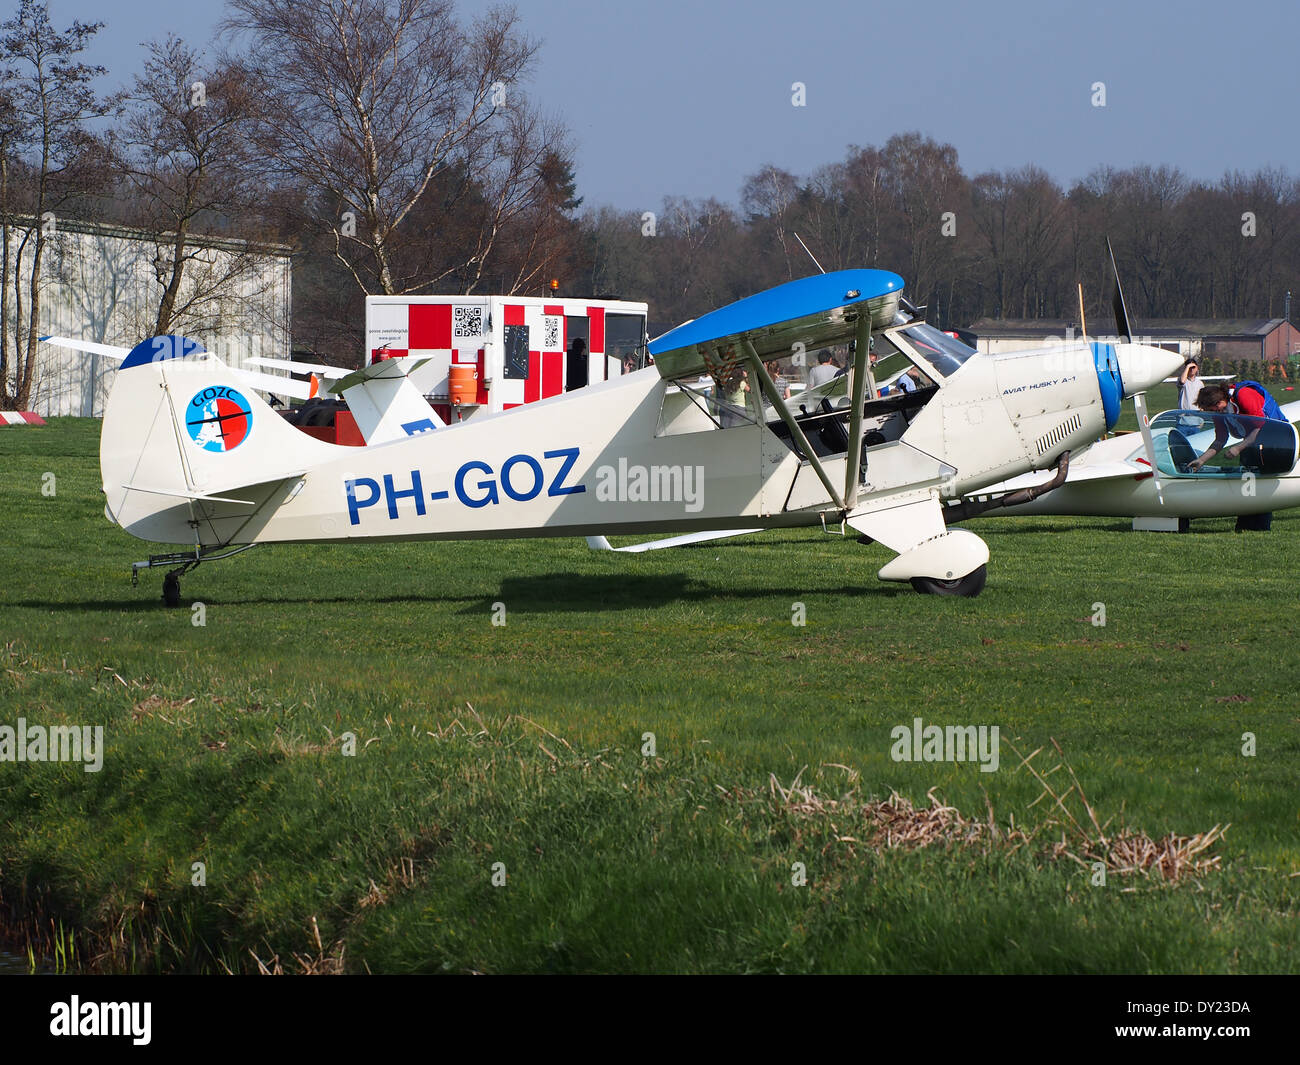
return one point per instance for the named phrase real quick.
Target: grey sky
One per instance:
(688, 97)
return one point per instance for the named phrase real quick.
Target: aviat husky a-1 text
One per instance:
(191, 455)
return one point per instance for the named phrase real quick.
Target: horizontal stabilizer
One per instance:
(283, 386)
(111, 351)
(385, 370)
(187, 495)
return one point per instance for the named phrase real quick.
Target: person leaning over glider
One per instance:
(1248, 397)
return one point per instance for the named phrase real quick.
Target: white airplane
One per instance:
(1164, 481)
(1151, 476)
(190, 455)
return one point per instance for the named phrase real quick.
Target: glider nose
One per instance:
(1142, 367)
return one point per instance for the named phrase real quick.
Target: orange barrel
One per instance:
(463, 382)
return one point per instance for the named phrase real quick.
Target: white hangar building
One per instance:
(101, 283)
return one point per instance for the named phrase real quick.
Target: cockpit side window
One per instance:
(699, 404)
(945, 353)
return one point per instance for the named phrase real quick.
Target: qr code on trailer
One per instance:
(467, 321)
(552, 334)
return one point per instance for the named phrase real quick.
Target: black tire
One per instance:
(172, 589)
(970, 585)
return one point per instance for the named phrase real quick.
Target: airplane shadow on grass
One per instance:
(545, 593)
(551, 593)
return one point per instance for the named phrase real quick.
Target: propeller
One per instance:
(1124, 331)
(1122, 328)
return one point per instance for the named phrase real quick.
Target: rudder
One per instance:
(180, 426)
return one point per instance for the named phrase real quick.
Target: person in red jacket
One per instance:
(1248, 397)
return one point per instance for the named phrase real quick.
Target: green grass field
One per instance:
(522, 744)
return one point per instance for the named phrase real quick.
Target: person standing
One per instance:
(1189, 385)
(824, 370)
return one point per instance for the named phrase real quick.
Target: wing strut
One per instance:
(861, 347)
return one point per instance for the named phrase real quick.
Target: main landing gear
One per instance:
(971, 584)
(183, 562)
(172, 588)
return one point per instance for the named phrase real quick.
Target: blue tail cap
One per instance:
(159, 349)
(1108, 381)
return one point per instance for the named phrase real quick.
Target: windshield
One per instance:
(946, 354)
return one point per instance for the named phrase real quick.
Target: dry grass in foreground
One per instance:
(896, 823)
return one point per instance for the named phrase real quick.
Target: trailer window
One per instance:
(516, 364)
(624, 343)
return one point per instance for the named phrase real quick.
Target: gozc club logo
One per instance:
(219, 419)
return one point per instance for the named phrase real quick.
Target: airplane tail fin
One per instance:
(386, 405)
(188, 450)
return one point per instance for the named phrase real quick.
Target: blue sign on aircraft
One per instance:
(521, 478)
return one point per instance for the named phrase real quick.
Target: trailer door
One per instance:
(577, 358)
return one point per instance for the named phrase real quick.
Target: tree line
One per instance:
(392, 146)
(389, 143)
(1000, 244)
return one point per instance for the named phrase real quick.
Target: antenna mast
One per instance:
(810, 254)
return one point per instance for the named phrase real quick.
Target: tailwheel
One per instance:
(970, 585)
(172, 589)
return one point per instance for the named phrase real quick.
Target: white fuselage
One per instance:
(1136, 496)
(595, 461)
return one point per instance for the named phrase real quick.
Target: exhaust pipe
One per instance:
(972, 508)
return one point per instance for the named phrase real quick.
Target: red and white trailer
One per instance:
(521, 348)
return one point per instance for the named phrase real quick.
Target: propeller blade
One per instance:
(1122, 327)
(1140, 406)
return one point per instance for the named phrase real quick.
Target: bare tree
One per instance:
(767, 198)
(925, 181)
(53, 102)
(185, 151)
(694, 256)
(400, 127)
(10, 128)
